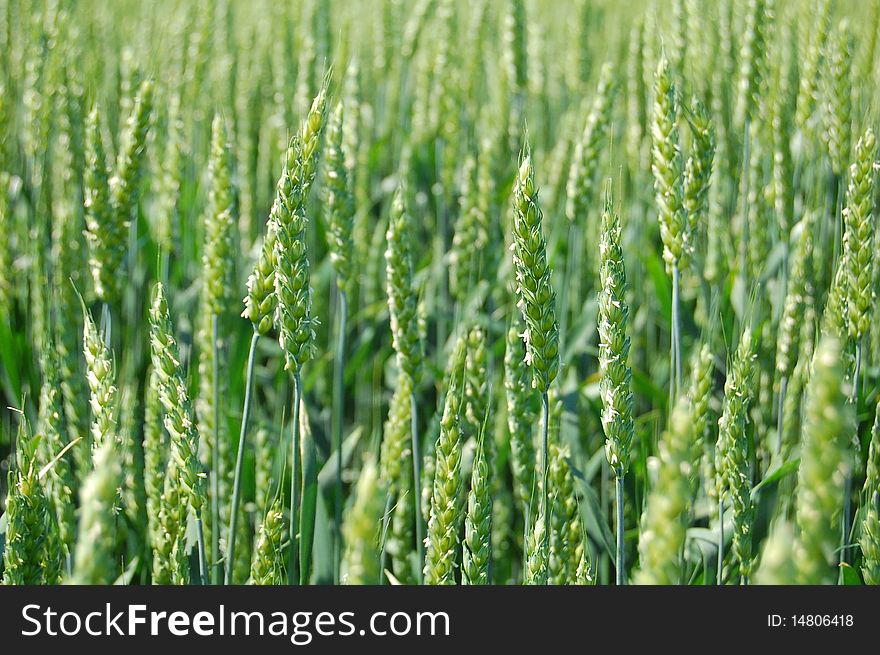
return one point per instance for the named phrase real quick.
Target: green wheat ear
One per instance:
(829, 423)
(267, 567)
(666, 164)
(537, 299)
(446, 508)
(338, 200)
(179, 417)
(402, 296)
(732, 449)
(94, 560)
(870, 535)
(664, 522)
(858, 237)
(220, 223)
(615, 381)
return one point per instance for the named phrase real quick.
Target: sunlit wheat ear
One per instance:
(178, 412)
(521, 412)
(536, 297)
(614, 344)
(101, 376)
(447, 507)
(105, 235)
(667, 166)
(732, 450)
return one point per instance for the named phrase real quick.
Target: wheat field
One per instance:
(439, 292)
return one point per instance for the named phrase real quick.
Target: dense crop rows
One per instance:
(441, 291)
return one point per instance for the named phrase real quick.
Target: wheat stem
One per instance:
(417, 475)
(292, 569)
(338, 408)
(239, 460)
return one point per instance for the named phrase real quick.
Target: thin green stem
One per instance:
(239, 460)
(338, 408)
(292, 567)
(203, 556)
(620, 565)
(417, 481)
(383, 552)
(545, 477)
(215, 455)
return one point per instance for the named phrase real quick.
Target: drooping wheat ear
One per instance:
(130, 161)
(94, 559)
(267, 567)
(615, 380)
(664, 521)
(293, 317)
(537, 299)
(858, 237)
(338, 200)
(585, 160)
(26, 557)
(446, 514)
(155, 457)
(566, 529)
(52, 427)
(752, 60)
(100, 373)
(810, 74)
(260, 302)
(105, 236)
(471, 234)
(402, 295)
(837, 97)
(476, 549)
(790, 323)
(698, 172)
(732, 449)
(178, 412)
(360, 529)
(220, 223)
(869, 539)
(521, 413)
(829, 422)
(666, 164)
